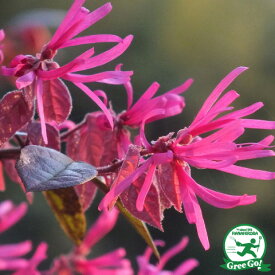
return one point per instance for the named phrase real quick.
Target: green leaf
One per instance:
(68, 211)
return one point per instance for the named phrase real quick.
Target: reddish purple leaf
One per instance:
(169, 183)
(151, 213)
(15, 112)
(35, 136)
(29, 96)
(93, 142)
(165, 203)
(86, 193)
(128, 166)
(152, 209)
(9, 167)
(57, 101)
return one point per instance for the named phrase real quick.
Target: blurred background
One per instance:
(174, 40)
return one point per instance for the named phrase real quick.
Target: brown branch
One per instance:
(64, 135)
(112, 168)
(12, 153)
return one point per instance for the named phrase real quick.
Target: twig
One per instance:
(12, 153)
(112, 168)
(64, 135)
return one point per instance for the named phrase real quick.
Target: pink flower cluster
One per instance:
(76, 262)
(171, 157)
(41, 71)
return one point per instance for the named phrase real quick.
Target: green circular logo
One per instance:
(244, 242)
(244, 247)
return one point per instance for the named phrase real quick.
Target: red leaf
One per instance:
(169, 183)
(165, 203)
(57, 101)
(9, 166)
(29, 96)
(93, 142)
(128, 166)
(152, 209)
(35, 136)
(151, 213)
(86, 193)
(15, 112)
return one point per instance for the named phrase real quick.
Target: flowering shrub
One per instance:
(140, 178)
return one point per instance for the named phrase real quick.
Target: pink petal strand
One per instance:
(248, 173)
(186, 267)
(39, 95)
(172, 252)
(13, 264)
(15, 250)
(218, 199)
(182, 88)
(149, 93)
(243, 112)
(98, 38)
(65, 22)
(106, 56)
(109, 77)
(2, 35)
(103, 95)
(59, 72)
(98, 230)
(154, 112)
(11, 214)
(217, 92)
(120, 187)
(145, 187)
(200, 225)
(90, 18)
(258, 124)
(95, 98)
(192, 208)
(128, 87)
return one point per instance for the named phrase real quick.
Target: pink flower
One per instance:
(44, 75)
(108, 264)
(145, 268)
(10, 254)
(148, 109)
(172, 157)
